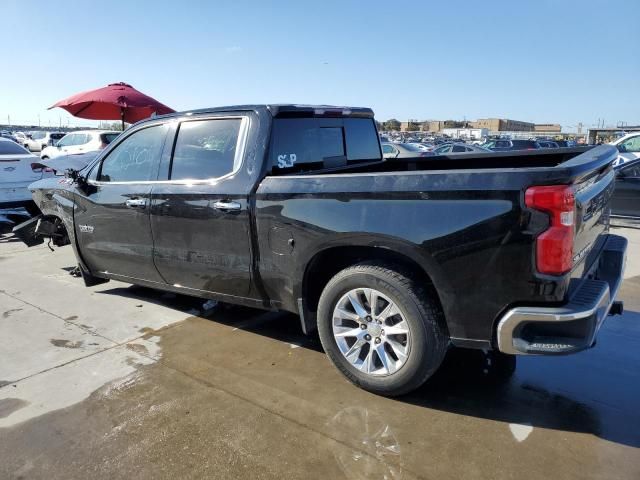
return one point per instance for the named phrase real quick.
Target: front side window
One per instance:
(67, 140)
(79, 139)
(458, 149)
(443, 149)
(133, 159)
(205, 149)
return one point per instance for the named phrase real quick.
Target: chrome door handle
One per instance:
(227, 206)
(136, 203)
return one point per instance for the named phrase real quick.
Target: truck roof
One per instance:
(286, 110)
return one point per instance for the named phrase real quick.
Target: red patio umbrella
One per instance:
(113, 102)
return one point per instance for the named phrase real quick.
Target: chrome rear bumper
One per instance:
(574, 326)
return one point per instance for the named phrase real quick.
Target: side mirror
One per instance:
(77, 178)
(621, 148)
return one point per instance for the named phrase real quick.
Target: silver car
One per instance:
(402, 150)
(459, 148)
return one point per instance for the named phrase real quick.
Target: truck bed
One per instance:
(547, 158)
(464, 218)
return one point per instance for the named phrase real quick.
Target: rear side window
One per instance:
(205, 149)
(307, 144)
(11, 148)
(362, 139)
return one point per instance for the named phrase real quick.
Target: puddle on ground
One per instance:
(10, 405)
(57, 342)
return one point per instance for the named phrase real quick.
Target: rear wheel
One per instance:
(381, 328)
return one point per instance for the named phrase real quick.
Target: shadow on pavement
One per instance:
(585, 393)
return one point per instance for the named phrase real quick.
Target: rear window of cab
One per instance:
(309, 144)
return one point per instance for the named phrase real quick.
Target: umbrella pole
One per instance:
(122, 117)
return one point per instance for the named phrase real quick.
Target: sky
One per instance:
(544, 61)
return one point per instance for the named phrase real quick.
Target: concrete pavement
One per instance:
(118, 381)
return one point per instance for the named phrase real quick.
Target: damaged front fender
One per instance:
(35, 230)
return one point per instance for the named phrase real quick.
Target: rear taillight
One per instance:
(38, 168)
(554, 247)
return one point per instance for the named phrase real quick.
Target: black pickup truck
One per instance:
(290, 207)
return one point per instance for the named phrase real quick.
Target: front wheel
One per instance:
(382, 329)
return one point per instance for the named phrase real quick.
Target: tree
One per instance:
(391, 124)
(117, 126)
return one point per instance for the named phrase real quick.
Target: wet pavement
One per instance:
(117, 381)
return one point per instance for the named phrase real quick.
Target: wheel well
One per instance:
(329, 262)
(54, 228)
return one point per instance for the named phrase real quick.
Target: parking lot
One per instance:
(123, 381)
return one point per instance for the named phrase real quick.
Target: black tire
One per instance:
(44, 158)
(419, 306)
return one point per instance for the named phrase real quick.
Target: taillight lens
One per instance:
(554, 247)
(38, 168)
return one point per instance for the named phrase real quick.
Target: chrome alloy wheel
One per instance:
(371, 331)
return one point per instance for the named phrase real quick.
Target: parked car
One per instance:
(547, 144)
(38, 141)
(17, 172)
(628, 147)
(504, 145)
(421, 146)
(402, 150)
(459, 148)
(625, 201)
(8, 136)
(80, 142)
(21, 136)
(289, 207)
(566, 143)
(54, 138)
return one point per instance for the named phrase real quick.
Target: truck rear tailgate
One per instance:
(592, 217)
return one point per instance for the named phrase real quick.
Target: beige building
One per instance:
(503, 125)
(411, 126)
(436, 126)
(547, 127)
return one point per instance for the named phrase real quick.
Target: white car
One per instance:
(628, 146)
(38, 141)
(18, 170)
(80, 142)
(21, 136)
